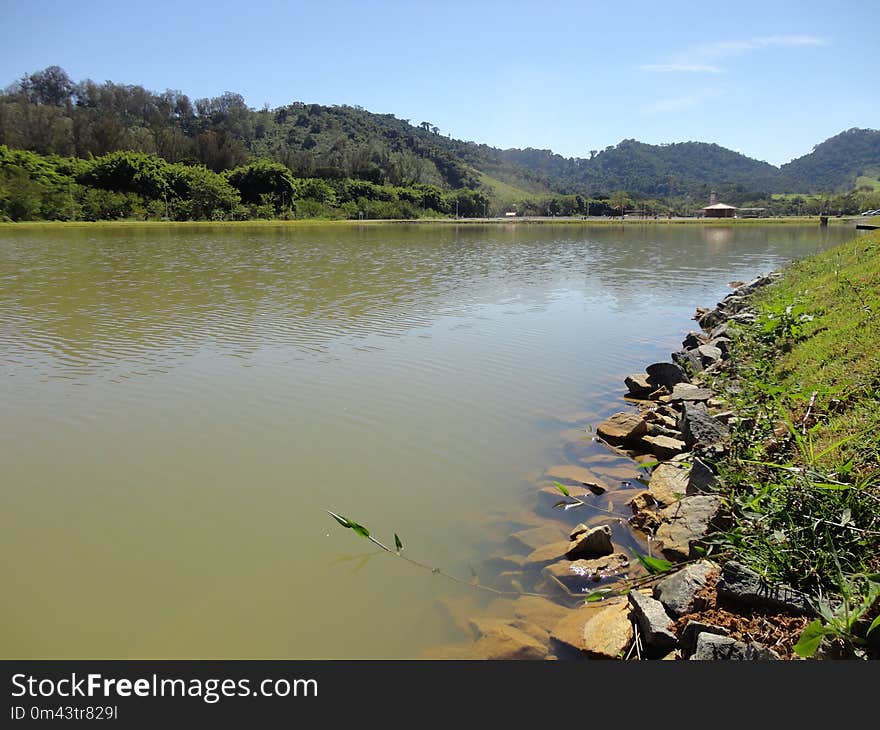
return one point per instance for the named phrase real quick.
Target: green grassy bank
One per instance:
(803, 478)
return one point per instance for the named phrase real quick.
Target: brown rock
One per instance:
(508, 642)
(569, 632)
(608, 634)
(664, 447)
(547, 554)
(539, 611)
(593, 543)
(536, 537)
(668, 483)
(622, 428)
(638, 385)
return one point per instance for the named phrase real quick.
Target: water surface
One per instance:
(180, 404)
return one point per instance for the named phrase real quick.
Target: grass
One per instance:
(804, 473)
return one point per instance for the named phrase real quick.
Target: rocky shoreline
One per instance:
(698, 605)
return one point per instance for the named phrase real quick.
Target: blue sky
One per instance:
(769, 79)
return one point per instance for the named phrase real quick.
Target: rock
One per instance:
(668, 483)
(638, 385)
(622, 428)
(608, 634)
(744, 317)
(709, 353)
(593, 543)
(568, 633)
(757, 283)
(689, 361)
(686, 391)
(539, 611)
(537, 537)
(503, 641)
(722, 330)
(712, 319)
(655, 429)
(653, 621)
(578, 530)
(546, 554)
(664, 447)
(746, 587)
(697, 426)
(686, 523)
(701, 478)
(678, 592)
(693, 340)
(691, 632)
(582, 575)
(665, 374)
(643, 500)
(713, 647)
(723, 344)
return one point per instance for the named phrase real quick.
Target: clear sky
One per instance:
(769, 79)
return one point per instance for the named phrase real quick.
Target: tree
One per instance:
(620, 201)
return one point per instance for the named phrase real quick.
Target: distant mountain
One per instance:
(685, 168)
(48, 113)
(836, 164)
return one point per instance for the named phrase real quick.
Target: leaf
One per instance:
(398, 545)
(339, 518)
(653, 565)
(562, 489)
(597, 595)
(874, 624)
(648, 464)
(359, 529)
(810, 639)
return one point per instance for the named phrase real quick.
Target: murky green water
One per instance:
(179, 406)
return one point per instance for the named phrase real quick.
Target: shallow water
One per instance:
(179, 406)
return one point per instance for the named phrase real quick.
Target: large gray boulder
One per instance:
(711, 647)
(687, 522)
(698, 426)
(688, 392)
(678, 592)
(701, 478)
(665, 374)
(653, 621)
(746, 587)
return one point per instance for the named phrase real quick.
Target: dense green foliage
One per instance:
(373, 164)
(837, 163)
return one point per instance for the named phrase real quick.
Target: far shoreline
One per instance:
(518, 221)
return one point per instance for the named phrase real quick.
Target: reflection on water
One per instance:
(181, 404)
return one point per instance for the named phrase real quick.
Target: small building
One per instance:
(719, 210)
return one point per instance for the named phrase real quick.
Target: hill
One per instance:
(836, 164)
(48, 113)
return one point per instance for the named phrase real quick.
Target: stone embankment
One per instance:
(707, 609)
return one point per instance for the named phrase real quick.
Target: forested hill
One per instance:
(837, 163)
(686, 168)
(48, 113)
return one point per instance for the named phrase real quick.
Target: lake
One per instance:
(181, 404)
